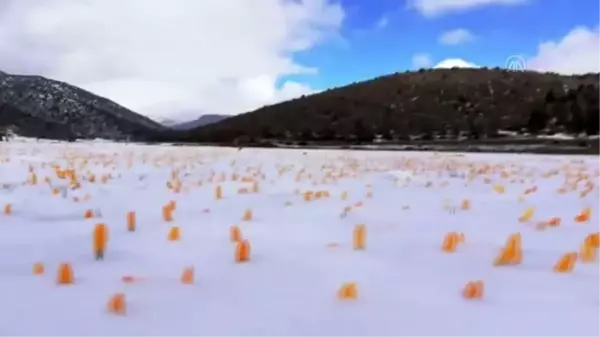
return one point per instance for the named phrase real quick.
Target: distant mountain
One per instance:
(45, 108)
(202, 121)
(168, 122)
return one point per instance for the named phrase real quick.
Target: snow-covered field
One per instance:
(301, 250)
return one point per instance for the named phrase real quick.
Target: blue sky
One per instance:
(382, 36)
(178, 59)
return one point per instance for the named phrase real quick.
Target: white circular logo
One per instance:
(515, 63)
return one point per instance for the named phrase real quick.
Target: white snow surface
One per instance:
(406, 284)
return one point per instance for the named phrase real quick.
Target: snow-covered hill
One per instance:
(46, 108)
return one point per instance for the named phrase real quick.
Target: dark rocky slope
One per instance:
(428, 105)
(27, 125)
(45, 108)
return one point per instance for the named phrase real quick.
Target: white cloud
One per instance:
(421, 60)
(160, 57)
(456, 36)
(577, 52)
(454, 63)
(432, 8)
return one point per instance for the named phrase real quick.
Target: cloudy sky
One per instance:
(177, 59)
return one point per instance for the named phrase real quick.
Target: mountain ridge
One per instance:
(427, 104)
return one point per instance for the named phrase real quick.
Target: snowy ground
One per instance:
(301, 250)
